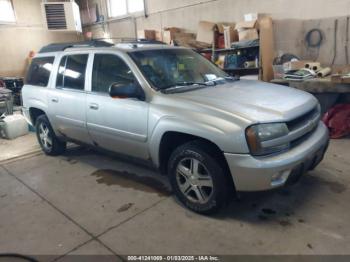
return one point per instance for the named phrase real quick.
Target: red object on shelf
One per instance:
(221, 41)
(2, 84)
(337, 119)
(207, 56)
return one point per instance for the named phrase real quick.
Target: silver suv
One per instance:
(212, 134)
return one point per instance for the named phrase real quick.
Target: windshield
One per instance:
(167, 68)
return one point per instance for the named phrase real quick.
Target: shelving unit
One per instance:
(234, 71)
(243, 71)
(225, 50)
(266, 53)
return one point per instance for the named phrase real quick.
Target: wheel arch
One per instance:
(183, 130)
(34, 113)
(170, 140)
(173, 139)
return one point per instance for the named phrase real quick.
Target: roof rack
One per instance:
(136, 41)
(100, 42)
(62, 46)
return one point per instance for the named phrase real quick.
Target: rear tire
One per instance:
(198, 179)
(47, 139)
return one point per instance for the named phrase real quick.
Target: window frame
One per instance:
(128, 14)
(92, 71)
(4, 22)
(87, 70)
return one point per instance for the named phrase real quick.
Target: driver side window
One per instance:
(109, 69)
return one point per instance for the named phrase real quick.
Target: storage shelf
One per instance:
(242, 71)
(224, 50)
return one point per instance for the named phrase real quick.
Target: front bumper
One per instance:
(251, 173)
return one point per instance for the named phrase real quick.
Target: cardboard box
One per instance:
(159, 36)
(169, 34)
(253, 17)
(146, 34)
(249, 34)
(267, 48)
(230, 35)
(206, 32)
(209, 32)
(185, 39)
(247, 30)
(220, 27)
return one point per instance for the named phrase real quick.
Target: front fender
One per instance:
(227, 136)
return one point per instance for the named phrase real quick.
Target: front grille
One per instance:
(301, 139)
(305, 124)
(302, 120)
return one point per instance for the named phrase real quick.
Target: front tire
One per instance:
(47, 139)
(198, 179)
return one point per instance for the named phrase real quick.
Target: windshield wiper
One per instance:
(189, 85)
(209, 83)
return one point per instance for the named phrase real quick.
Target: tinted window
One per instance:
(39, 71)
(71, 72)
(109, 69)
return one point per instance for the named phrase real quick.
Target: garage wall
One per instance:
(292, 19)
(27, 34)
(187, 13)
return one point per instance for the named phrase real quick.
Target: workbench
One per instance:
(327, 92)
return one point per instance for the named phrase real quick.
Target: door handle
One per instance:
(94, 106)
(55, 100)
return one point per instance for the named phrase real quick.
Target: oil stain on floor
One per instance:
(130, 180)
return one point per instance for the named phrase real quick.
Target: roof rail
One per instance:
(141, 41)
(100, 42)
(62, 46)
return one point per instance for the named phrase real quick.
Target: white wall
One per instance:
(187, 13)
(28, 33)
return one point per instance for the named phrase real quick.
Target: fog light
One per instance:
(280, 177)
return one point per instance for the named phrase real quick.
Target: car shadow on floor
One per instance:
(276, 206)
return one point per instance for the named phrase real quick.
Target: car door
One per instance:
(116, 124)
(68, 99)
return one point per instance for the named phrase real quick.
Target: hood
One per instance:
(255, 101)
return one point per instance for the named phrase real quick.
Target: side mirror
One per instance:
(131, 90)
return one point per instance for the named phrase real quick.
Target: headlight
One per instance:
(257, 134)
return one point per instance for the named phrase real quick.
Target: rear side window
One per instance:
(39, 71)
(71, 72)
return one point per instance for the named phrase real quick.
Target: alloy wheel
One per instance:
(45, 136)
(194, 180)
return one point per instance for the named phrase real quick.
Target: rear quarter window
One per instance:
(39, 71)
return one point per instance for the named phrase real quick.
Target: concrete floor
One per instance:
(19, 147)
(87, 203)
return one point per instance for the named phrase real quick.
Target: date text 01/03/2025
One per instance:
(173, 258)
